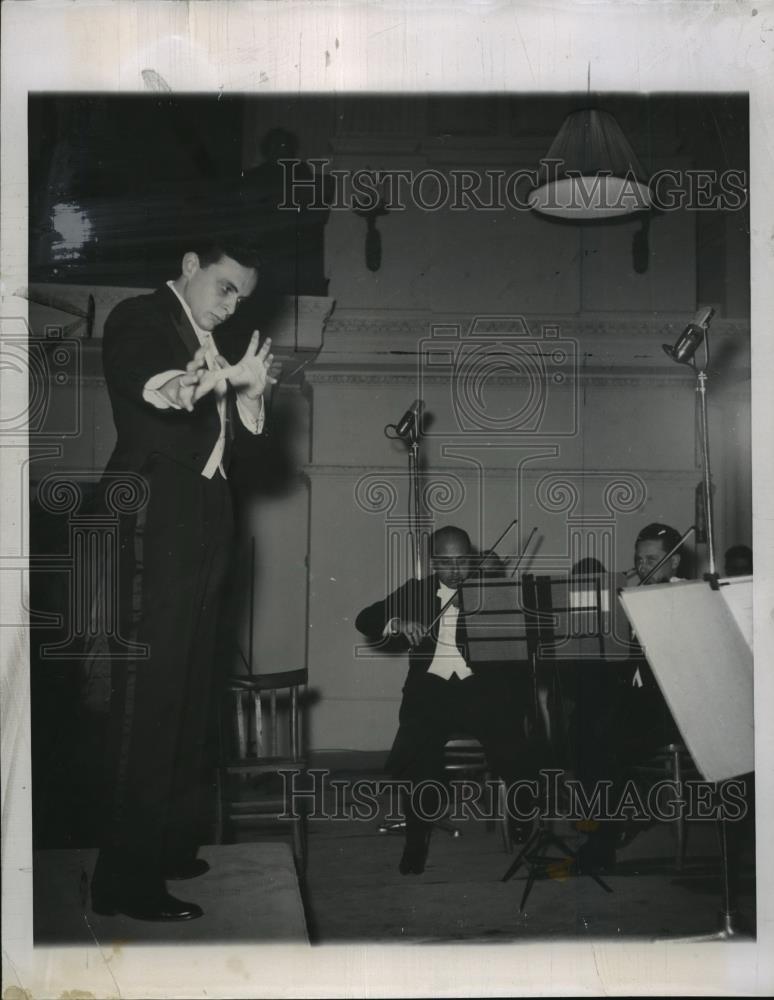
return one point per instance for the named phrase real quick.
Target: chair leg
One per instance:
(218, 806)
(502, 810)
(298, 827)
(678, 780)
(447, 826)
(486, 791)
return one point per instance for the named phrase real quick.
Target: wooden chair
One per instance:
(464, 755)
(260, 737)
(674, 763)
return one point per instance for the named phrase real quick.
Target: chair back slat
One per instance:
(294, 722)
(258, 723)
(265, 682)
(240, 724)
(464, 753)
(255, 744)
(273, 722)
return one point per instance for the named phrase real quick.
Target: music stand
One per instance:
(700, 632)
(497, 624)
(508, 621)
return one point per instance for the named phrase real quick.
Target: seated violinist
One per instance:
(444, 693)
(635, 722)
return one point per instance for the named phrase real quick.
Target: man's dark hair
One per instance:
(740, 553)
(448, 534)
(668, 536)
(210, 250)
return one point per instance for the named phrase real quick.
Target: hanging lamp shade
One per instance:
(590, 171)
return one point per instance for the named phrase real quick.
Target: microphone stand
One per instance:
(683, 353)
(701, 389)
(413, 466)
(731, 925)
(411, 434)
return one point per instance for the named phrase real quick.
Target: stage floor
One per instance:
(250, 894)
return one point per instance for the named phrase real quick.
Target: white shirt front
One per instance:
(151, 394)
(448, 660)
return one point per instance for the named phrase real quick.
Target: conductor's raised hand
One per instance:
(198, 361)
(186, 389)
(182, 391)
(255, 370)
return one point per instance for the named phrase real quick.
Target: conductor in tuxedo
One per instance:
(444, 692)
(178, 407)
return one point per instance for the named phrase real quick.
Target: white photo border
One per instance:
(479, 45)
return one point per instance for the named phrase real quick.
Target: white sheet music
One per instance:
(704, 667)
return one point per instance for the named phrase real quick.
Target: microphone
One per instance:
(688, 342)
(704, 316)
(410, 419)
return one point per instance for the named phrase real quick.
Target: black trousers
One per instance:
(173, 560)
(617, 725)
(488, 706)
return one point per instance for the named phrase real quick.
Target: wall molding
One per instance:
(533, 471)
(609, 375)
(602, 344)
(574, 325)
(387, 347)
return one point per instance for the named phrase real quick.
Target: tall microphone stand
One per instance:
(682, 352)
(701, 389)
(413, 466)
(730, 923)
(409, 430)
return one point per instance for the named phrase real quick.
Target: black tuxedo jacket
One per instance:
(144, 336)
(417, 601)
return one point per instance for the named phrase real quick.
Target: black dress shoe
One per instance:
(161, 907)
(189, 868)
(415, 853)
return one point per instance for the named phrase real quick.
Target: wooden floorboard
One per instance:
(356, 893)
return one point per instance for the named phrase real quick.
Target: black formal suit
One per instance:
(488, 705)
(143, 337)
(172, 563)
